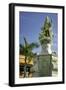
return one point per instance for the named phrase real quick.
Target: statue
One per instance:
(46, 33)
(43, 65)
(45, 36)
(45, 57)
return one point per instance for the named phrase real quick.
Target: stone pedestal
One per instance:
(45, 61)
(42, 66)
(45, 65)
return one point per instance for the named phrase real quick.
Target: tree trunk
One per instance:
(25, 66)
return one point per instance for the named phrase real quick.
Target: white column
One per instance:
(46, 49)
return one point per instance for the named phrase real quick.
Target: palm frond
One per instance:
(25, 41)
(33, 45)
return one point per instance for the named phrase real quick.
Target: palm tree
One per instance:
(26, 50)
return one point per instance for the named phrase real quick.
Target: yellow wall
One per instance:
(22, 60)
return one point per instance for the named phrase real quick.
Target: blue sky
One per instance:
(30, 27)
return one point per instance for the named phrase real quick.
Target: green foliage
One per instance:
(27, 48)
